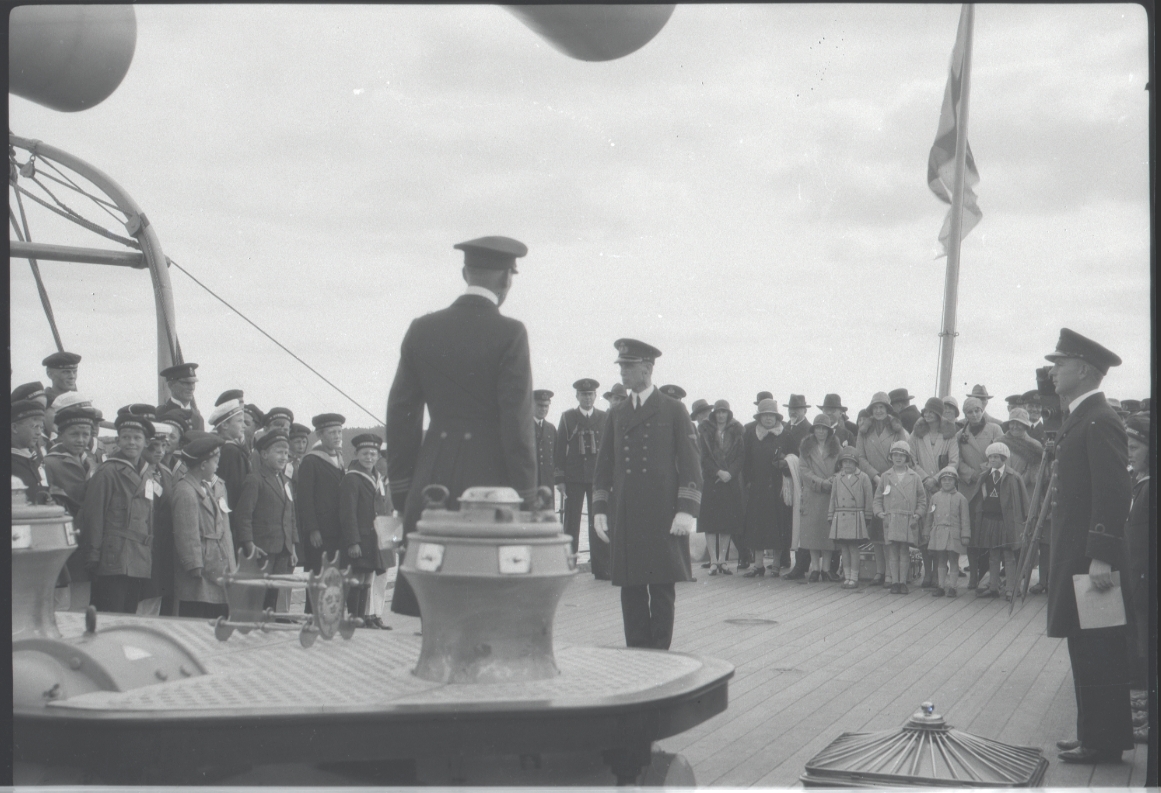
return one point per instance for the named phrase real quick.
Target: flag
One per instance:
(941, 161)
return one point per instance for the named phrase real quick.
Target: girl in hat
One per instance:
(974, 439)
(1002, 508)
(850, 512)
(819, 456)
(767, 517)
(947, 531)
(878, 430)
(933, 447)
(900, 502)
(722, 456)
(362, 497)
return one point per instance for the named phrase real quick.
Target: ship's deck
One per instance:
(814, 661)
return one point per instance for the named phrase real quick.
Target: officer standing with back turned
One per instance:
(470, 366)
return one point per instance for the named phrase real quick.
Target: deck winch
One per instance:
(488, 578)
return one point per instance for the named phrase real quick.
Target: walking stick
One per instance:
(1026, 552)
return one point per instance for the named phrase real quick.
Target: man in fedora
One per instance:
(651, 461)
(907, 413)
(578, 438)
(470, 367)
(615, 395)
(545, 442)
(981, 393)
(700, 410)
(1089, 509)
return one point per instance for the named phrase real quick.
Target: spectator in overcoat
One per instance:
(878, 431)
(818, 457)
(118, 521)
(1135, 579)
(974, 439)
(265, 513)
(722, 450)
(1093, 492)
(658, 498)
(907, 413)
(203, 543)
(1027, 452)
(1002, 506)
(767, 516)
(229, 422)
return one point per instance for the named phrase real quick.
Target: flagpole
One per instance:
(947, 333)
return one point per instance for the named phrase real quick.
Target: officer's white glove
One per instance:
(683, 524)
(601, 526)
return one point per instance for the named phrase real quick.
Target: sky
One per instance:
(747, 192)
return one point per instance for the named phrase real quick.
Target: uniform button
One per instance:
(642, 470)
(467, 436)
(627, 471)
(443, 435)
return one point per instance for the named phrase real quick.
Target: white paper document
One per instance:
(1098, 609)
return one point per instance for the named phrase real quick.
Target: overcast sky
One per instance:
(747, 192)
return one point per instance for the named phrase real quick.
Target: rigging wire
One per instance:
(36, 272)
(80, 220)
(276, 341)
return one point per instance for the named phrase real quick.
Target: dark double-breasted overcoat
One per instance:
(470, 366)
(317, 506)
(362, 496)
(117, 522)
(649, 456)
(1090, 505)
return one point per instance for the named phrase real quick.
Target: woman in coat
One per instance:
(723, 501)
(767, 524)
(878, 429)
(818, 457)
(978, 433)
(203, 544)
(1027, 452)
(363, 496)
(933, 447)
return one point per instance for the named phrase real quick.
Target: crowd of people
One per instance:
(170, 507)
(169, 510)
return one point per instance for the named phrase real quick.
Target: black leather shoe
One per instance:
(1067, 746)
(757, 572)
(794, 575)
(743, 565)
(1038, 589)
(833, 577)
(1083, 756)
(814, 576)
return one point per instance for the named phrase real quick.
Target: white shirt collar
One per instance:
(482, 292)
(1074, 404)
(643, 396)
(22, 452)
(1001, 469)
(586, 413)
(183, 406)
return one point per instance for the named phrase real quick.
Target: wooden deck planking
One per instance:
(841, 661)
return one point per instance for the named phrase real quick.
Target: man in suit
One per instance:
(901, 403)
(1089, 508)
(797, 428)
(650, 459)
(615, 395)
(545, 442)
(981, 393)
(266, 509)
(181, 382)
(578, 438)
(470, 366)
(844, 431)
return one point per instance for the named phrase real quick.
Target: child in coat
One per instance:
(363, 496)
(900, 503)
(1002, 509)
(850, 511)
(947, 531)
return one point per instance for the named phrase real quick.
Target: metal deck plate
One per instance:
(271, 673)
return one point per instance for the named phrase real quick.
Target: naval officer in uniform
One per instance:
(650, 458)
(181, 381)
(470, 366)
(1089, 509)
(578, 438)
(545, 442)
